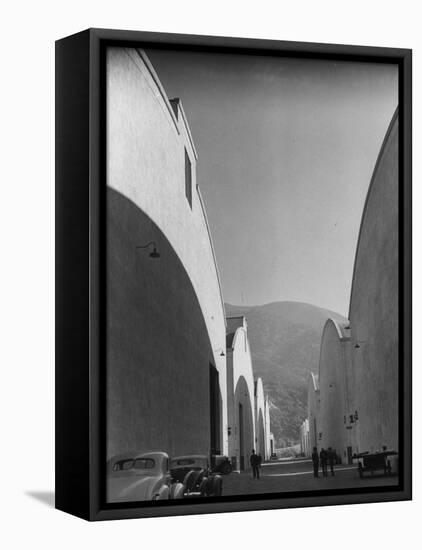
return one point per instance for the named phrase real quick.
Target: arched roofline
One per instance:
(246, 374)
(236, 336)
(217, 271)
(170, 108)
(368, 195)
(259, 384)
(342, 328)
(174, 105)
(343, 333)
(250, 400)
(259, 398)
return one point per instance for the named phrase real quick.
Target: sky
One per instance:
(286, 149)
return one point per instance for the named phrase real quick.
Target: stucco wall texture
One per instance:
(374, 305)
(158, 349)
(166, 320)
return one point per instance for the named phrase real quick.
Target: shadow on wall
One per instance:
(158, 349)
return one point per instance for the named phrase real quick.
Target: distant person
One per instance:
(315, 461)
(323, 457)
(254, 460)
(331, 455)
(260, 460)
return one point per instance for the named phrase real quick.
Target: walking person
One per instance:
(315, 461)
(254, 460)
(331, 459)
(323, 460)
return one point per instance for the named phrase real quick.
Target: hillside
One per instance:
(285, 341)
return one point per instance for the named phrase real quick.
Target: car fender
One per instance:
(177, 490)
(163, 493)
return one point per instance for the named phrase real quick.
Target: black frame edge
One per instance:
(72, 378)
(406, 258)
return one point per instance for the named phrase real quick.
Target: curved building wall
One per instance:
(334, 406)
(374, 305)
(166, 322)
(240, 399)
(268, 434)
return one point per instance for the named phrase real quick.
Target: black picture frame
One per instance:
(80, 268)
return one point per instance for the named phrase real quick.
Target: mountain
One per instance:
(285, 340)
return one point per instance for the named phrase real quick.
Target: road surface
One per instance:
(297, 475)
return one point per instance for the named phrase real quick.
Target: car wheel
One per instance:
(192, 479)
(203, 487)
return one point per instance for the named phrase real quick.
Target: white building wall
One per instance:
(240, 377)
(260, 432)
(145, 163)
(268, 433)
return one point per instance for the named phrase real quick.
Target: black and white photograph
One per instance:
(209, 238)
(252, 275)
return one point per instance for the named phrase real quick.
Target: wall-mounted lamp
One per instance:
(358, 342)
(154, 253)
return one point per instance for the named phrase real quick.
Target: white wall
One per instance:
(146, 163)
(260, 414)
(374, 305)
(27, 115)
(239, 368)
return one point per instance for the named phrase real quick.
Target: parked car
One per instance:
(221, 464)
(195, 474)
(139, 475)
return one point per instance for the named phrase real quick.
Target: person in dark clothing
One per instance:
(323, 461)
(254, 460)
(331, 455)
(315, 461)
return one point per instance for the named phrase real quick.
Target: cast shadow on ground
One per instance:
(45, 497)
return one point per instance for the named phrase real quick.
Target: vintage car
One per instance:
(137, 475)
(371, 462)
(221, 464)
(195, 474)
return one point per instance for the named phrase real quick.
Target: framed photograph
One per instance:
(233, 274)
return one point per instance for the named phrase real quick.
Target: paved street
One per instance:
(297, 475)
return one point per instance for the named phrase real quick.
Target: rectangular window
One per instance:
(188, 178)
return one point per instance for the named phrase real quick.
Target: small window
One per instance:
(123, 465)
(188, 178)
(185, 462)
(144, 463)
